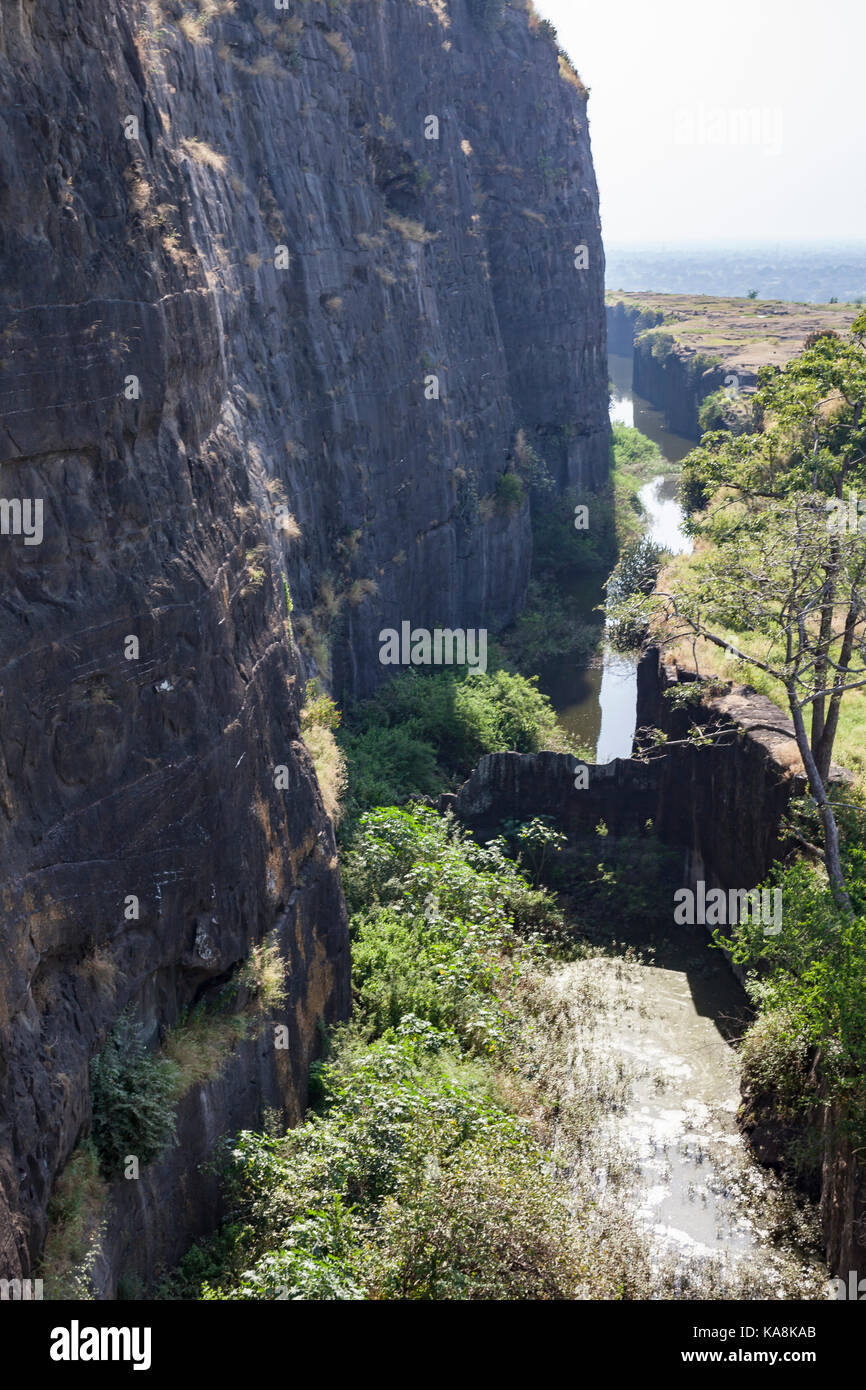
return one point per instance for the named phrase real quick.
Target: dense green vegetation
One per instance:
(422, 733)
(722, 410)
(810, 984)
(132, 1094)
(563, 615)
(427, 1168)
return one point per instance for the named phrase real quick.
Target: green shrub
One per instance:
(635, 452)
(132, 1096)
(535, 844)
(411, 1185)
(421, 731)
(723, 411)
(559, 546)
(508, 493)
(553, 623)
(634, 576)
(776, 1058)
(661, 344)
(624, 879)
(77, 1216)
(387, 767)
(808, 979)
(414, 1179)
(485, 1225)
(419, 860)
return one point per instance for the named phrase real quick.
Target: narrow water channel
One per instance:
(596, 702)
(671, 1011)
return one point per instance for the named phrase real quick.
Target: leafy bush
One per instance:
(132, 1094)
(413, 1182)
(409, 1186)
(419, 861)
(387, 767)
(776, 1057)
(661, 344)
(440, 927)
(410, 1139)
(559, 546)
(627, 879)
(421, 731)
(417, 1176)
(808, 979)
(535, 843)
(508, 493)
(722, 411)
(553, 623)
(635, 575)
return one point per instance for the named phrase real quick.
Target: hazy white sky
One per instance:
(677, 156)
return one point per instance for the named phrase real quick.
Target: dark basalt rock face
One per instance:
(669, 383)
(518, 786)
(235, 310)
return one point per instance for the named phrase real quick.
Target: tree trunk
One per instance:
(832, 857)
(828, 596)
(824, 751)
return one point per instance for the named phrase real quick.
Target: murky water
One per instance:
(717, 1224)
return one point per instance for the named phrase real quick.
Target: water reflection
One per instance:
(628, 409)
(597, 704)
(659, 499)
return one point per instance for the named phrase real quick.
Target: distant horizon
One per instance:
(811, 244)
(807, 272)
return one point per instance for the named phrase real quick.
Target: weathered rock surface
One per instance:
(231, 263)
(518, 786)
(721, 805)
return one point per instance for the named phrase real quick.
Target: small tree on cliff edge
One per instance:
(786, 558)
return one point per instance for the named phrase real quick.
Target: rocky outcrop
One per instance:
(519, 786)
(843, 1200)
(280, 286)
(725, 802)
(673, 379)
(721, 805)
(677, 382)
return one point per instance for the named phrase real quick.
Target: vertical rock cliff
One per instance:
(279, 287)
